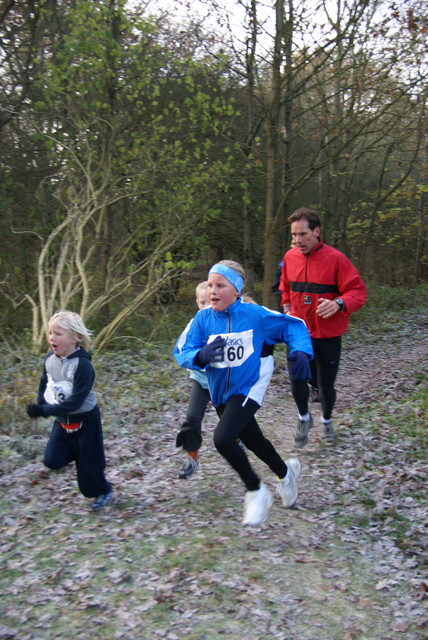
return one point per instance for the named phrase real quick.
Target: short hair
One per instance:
(305, 213)
(201, 287)
(75, 326)
(236, 266)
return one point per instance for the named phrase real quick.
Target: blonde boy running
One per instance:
(66, 392)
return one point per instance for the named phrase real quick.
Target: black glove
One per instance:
(189, 440)
(35, 410)
(299, 366)
(212, 352)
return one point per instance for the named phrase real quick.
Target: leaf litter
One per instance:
(170, 558)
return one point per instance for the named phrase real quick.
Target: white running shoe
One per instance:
(287, 487)
(257, 505)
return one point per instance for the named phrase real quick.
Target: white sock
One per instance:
(325, 421)
(306, 417)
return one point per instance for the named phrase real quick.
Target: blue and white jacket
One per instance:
(246, 327)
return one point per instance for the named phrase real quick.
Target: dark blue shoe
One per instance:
(103, 500)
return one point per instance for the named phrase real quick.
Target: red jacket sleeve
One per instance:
(351, 286)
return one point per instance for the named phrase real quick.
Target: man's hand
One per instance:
(34, 410)
(327, 308)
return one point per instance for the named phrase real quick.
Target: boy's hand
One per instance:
(35, 410)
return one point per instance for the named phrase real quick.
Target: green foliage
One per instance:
(386, 238)
(413, 420)
(388, 308)
(131, 132)
(137, 135)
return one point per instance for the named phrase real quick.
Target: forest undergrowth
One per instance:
(170, 558)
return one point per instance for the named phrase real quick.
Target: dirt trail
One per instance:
(171, 560)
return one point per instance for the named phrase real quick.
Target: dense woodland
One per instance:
(140, 143)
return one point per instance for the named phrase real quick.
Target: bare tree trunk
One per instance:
(249, 150)
(106, 253)
(273, 170)
(287, 173)
(420, 239)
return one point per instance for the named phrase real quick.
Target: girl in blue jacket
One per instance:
(226, 339)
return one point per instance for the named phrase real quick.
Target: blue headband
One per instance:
(231, 275)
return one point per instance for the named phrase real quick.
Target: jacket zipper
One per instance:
(229, 372)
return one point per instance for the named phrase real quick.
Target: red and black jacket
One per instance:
(325, 272)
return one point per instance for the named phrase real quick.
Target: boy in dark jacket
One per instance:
(66, 392)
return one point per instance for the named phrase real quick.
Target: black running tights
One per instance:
(327, 358)
(237, 421)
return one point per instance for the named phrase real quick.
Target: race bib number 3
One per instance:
(57, 392)
(238, 349)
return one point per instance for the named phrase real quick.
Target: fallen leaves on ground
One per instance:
(170, 559)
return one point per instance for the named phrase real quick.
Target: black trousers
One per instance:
(190, 435)
(86, 448)
(327, 358)
(237, 421)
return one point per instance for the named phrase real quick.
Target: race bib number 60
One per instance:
(239, 347)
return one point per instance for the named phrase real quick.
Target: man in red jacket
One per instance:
(320, 285)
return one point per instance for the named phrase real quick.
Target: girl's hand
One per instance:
(299, 366)
(212, 352)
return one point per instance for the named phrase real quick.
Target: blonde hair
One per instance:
(74, 324)
(202, 286)
(235, 266)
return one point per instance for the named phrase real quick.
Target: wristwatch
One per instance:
(340, 303)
